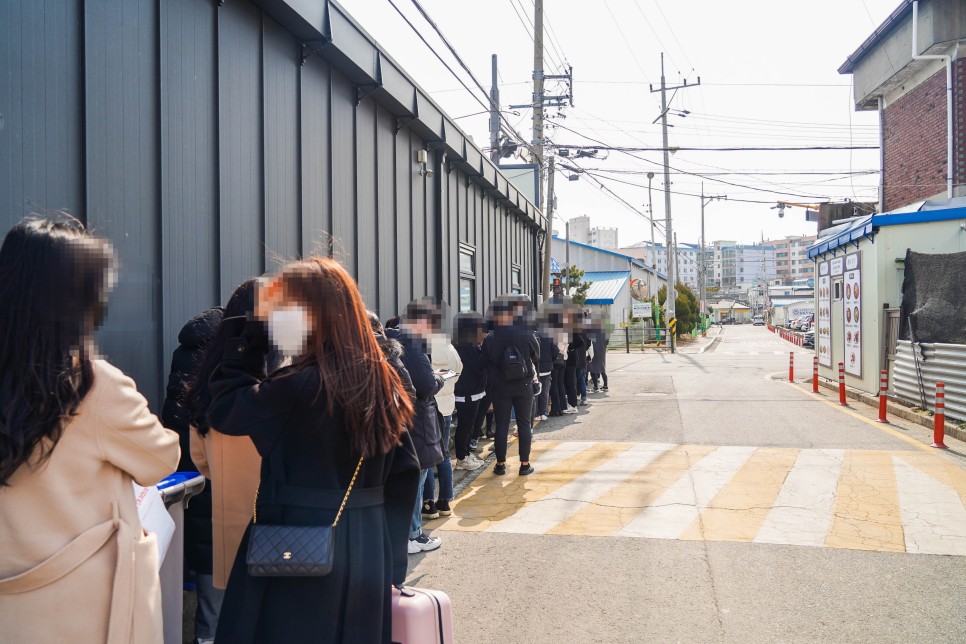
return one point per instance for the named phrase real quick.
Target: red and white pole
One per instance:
(814, 374)
(791, 366)
(842, 385)
(939, 418)
(883, 395)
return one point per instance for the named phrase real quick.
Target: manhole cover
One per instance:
(651, 393)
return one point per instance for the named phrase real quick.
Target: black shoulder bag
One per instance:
(291, 550)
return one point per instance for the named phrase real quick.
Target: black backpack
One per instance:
(514, 364)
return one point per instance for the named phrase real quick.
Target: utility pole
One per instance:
(494, 114)
(548, 238)
(567, 254)
(536, 156)
(703, 266)
(650, 217)
(671, 290)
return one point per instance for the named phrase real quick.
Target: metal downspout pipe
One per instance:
(948, 60)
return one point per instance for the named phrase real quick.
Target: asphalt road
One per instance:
(676, 507)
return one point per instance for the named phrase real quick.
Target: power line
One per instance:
(674, 148)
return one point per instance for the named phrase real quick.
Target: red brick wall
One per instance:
(914, 143)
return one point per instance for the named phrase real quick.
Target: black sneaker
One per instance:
(443, 508)
(499, 469)
(604, 388)
(429, 510)
(526, 469)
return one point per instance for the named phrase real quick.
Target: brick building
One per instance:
(920, 143)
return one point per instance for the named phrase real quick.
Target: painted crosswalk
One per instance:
(892, 501)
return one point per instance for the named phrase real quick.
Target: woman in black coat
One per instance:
(311, 422)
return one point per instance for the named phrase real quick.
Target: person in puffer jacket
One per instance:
(415, 328)
(198, 542)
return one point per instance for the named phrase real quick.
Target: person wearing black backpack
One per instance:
(511, 353)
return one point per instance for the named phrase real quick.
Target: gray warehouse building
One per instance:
(211, 140)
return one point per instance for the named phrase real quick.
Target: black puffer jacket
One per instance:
(549, 353)
(394, 352)
(425, 431)
(472, 380)
(577, 351)
(494, 348)
(193, 339)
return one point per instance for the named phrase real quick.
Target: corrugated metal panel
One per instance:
(605, 286)
(343, 172)
(366, 251)
(404, 219)
(41, 150)
(123, 175)
(939, 363)
(386, 222)
(240, 145)
(283, 225)
(420, 250)
(316, 186)
(189, 166)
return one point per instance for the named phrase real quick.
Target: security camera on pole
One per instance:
(671, 273)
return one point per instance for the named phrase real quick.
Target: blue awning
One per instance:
(605, 286)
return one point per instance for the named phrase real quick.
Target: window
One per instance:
(467, 278)
(516, 280)
(837, 290)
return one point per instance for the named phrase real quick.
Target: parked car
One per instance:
(808, 340)
(758, 320)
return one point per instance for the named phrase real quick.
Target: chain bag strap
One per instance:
(294, 551)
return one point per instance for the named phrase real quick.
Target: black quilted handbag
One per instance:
(291, 550)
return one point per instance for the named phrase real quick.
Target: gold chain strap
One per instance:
(338, 514)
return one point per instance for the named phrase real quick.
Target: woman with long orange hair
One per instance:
(340, 400)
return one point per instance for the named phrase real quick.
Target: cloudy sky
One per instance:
(768, 79)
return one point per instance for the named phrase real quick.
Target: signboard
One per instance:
(837, 266)
(852, 312)
(823, 325)
(642, 310)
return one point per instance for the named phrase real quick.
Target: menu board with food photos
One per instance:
(852, 312)
(823, 326)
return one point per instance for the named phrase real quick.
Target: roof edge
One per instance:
(892, 22)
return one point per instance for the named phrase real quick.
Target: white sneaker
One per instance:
(467, 464)
(569, 410)
(424, 543)
(476, 459)
(544, 417)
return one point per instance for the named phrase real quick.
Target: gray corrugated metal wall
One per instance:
(198, 141)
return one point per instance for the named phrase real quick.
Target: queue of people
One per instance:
(300, 409)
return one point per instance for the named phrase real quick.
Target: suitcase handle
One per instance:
(405, 592)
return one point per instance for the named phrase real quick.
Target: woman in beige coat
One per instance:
(75, 564)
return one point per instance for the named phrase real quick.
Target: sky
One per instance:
(768, 79)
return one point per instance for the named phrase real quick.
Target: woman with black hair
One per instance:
(75, 565)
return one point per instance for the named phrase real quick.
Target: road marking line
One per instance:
(674, 511)
(866, 515)
(738, 511)
(803, 510)
(857, 416)
(492, 498)
(623, 502)
(933, 516)
(539, 517)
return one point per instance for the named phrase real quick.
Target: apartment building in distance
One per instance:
(686, 271)
(745, 267)
(791, 259)
(583, 233)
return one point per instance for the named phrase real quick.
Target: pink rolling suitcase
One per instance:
(421, 616)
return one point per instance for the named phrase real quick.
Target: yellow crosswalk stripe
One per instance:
(619, 506)
(737, 512)
(493, 498)
(887, 501)
(866, 514)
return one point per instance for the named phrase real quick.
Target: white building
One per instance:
(603, 237)
(744, 267)
(686, 270)
(580, 229)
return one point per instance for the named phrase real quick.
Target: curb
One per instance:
(893, 408)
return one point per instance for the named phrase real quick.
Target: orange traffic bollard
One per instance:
(939, 419)
(791, 366)
(814, 374)
(842, 385)
(883, 396)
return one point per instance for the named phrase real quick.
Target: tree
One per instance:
(685, 307)
(578, 288)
